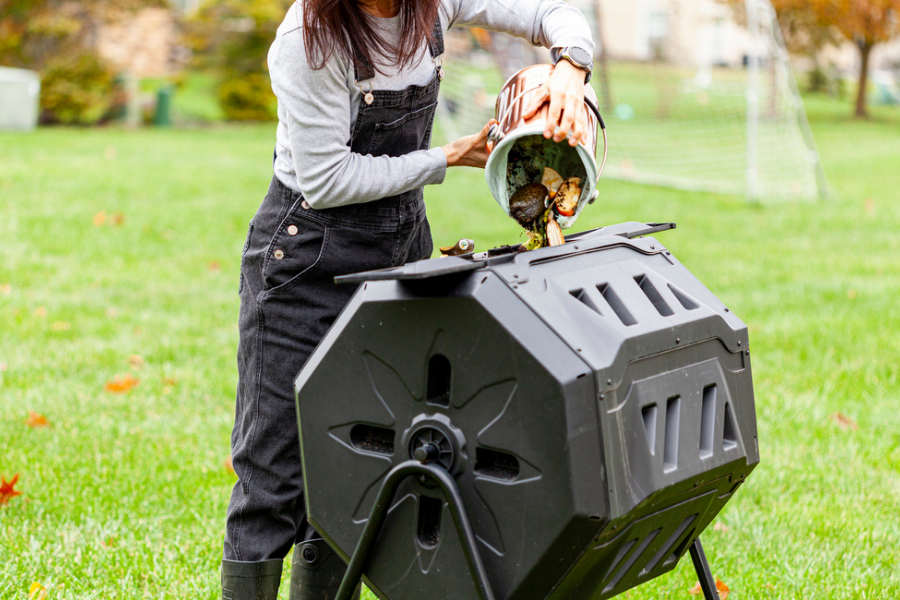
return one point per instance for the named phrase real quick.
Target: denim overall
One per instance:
(289, 300)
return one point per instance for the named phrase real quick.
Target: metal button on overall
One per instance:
(279, 254)
(305, 205)
(292, 230)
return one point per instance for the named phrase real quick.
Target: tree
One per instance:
(57, 38)
(810, 25)
(866, 23)
(35, 32)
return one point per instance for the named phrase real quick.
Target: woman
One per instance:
(357, 84)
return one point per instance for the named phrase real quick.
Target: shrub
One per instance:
(248, 98)
(76, 90)
(232, 38)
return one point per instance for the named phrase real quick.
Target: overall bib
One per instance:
(289, 300)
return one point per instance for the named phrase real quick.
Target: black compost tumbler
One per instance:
(555, 424)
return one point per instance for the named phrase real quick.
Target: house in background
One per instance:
(146, 44)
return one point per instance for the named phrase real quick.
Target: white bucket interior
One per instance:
(496, 170)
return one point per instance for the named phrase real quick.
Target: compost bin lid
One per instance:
(575, 243)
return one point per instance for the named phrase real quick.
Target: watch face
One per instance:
(580, 55)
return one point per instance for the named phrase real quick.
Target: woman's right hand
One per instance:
(471, 150)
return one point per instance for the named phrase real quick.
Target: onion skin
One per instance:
(554, 232)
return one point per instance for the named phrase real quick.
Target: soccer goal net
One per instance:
(696, 94)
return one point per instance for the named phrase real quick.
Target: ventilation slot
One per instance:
(616, 304)
(653, 296)
(496, 465)
(439, 381)
(681, 549)
(622, 553)
(370, 438)
(729, 438)
(670, 450)
(685, 300)
(429, 530)
(649, 415)
(667, 546)
(708, 421)
(623, 570)
(582, 297)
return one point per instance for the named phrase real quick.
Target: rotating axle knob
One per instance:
(427, 453)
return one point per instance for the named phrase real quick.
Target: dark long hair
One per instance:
(343, 26)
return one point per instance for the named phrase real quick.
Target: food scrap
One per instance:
(463, 246)
(539, 193)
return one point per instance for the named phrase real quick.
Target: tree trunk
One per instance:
(865, 49)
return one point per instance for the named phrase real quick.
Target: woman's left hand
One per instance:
(471, 150)
(565, 91)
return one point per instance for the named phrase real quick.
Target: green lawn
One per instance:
(124, 494)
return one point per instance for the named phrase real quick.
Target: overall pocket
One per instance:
(295, 250)
(404, 135)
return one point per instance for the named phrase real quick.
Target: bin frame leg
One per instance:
(379, 511)
(704, 573)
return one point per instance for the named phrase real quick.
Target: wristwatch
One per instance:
(579, 57)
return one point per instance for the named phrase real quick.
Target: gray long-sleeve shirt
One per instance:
(317, 108)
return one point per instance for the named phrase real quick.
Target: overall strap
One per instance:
(363, 69)
(436, 46)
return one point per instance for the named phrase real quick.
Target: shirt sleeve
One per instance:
(315, 107)
(548, 23)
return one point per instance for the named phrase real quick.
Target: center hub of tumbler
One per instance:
(431, 445)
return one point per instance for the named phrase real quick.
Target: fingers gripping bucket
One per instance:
(518, 137)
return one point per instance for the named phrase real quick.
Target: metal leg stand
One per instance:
(701, 565)
(460, 518)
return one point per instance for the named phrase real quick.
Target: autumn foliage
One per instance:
(866, 23)
(8, 489)
(121, 384)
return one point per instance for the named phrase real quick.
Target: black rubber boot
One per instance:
(251, 580)
(316, 572)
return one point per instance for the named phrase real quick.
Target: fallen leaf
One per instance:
(100, 218)
(121, 384)
(35, 420)
(229, 466)
(61, 326)
(112, 313)
(5, 289)
(844, 422)
(853, 294)
(40, 311)
(214, 267)
(118, 219)
(7, 489)
(870, 206)
(37, 592)
(720, 527)
(136, 361)
(3, 367)
(109, 542)
(170, 381)
(720, 587)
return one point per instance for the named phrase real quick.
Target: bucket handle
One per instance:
(494, 132)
